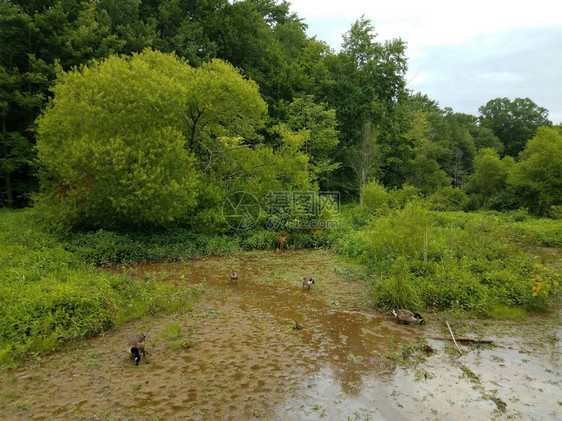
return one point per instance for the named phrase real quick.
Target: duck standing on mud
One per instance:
(406, 316)
(307, 282)
(136, 344)
(234, 276)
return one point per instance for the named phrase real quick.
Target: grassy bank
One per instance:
(49, 296)
(51, 293)
(105, 248)
(482, 261)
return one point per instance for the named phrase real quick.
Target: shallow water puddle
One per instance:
(236, 356)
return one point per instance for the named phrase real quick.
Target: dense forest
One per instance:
(258, 85)
(126, 124)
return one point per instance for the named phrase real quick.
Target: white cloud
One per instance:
(461, 54)
(430, 22)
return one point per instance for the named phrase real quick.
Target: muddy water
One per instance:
(236, 356)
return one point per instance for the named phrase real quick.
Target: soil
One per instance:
(237, 356)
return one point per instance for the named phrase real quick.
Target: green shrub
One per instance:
(49, 297)
(555, 212)
(398, 289)
(474, 262)
(375, 197)
(260, 240)
(399, 198)
(546, 232)
(503, 201)
(449, 199)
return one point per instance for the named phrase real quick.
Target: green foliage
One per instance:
(112, 152)
(426, 174)
(513, 122)
(399, 233)
(377, 200)
(448, 199)
(118, 156)
(49, 297)
(304, 86)
(398, 289)
(260, 240)
(320, 121)
(537, 177)
(484, 138)
(106, 248)
(475, 261)
(490, 174)
(375, 196)
(544, 231)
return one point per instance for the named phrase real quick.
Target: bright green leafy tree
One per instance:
(111, 144)
(537, 177)
(490, 174)
(149, 141)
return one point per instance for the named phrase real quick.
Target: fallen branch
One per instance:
(453, 336)
(464, 340)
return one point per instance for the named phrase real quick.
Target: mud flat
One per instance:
(236, 356)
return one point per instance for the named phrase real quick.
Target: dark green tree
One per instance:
(367, 86)
(537, 177)
(513, 122)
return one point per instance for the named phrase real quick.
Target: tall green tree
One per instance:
(111, 146)
(149, 141)
(37, 38)
(320, 121)
(537, 177)
(369, 88)
(513, 122)
(490, 174)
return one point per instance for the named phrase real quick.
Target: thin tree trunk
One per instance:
(9, 191)
(7, 177)
(362, 182)
(425, 244)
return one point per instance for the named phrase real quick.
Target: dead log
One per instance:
(464, 340)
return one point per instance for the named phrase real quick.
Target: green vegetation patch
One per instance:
(452, 260)
(49, 297)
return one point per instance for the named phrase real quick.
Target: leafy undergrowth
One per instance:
(107, 248)
(50, 293)
(49, 296)
(482, 262)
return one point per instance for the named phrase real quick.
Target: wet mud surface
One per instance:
(236, 356)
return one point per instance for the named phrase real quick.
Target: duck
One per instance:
(297, 326)
(307, 282)
(406, 316)
(136, 344)
(234, 276)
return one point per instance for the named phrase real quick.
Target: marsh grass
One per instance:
(408, 353)
(50, 297)
(176, 338)
(483, 262)
(504, 312)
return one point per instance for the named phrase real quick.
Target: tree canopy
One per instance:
(257, 83)
(513, 122)
(147, 140)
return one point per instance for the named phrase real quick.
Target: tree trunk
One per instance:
(362, 182)
(7, 176)
(425, 244)
(9, 192)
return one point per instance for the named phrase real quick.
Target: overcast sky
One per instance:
(461, 54)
